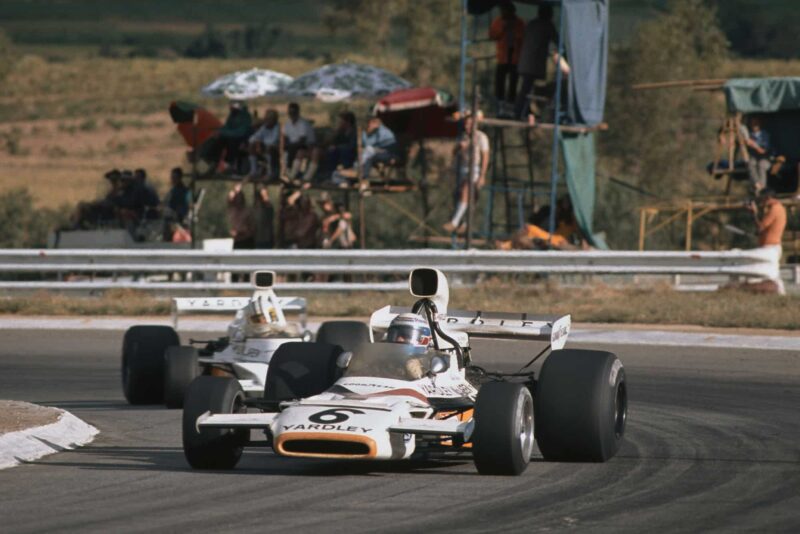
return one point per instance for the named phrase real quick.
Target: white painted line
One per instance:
(684, 339)
(26, 445)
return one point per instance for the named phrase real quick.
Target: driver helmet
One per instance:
(409, 328)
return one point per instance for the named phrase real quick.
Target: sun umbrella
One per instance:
(247, 84)
(195, 124)
(342, 81)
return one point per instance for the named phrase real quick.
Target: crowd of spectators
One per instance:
(290, 151)
(301, 224)
(132, 203)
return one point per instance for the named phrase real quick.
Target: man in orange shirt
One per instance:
(770, 226)
(508, 31)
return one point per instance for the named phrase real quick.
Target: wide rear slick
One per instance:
(581, 403)
(143, 349)
(579, 409)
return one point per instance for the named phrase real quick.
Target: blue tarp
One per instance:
(762, 95)
(586, 45)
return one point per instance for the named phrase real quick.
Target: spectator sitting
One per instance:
(534, 237)
(299, 139)
(147, 193)
(343, 151)
(129, 203)
(758, 146)
(336, 226)
(299, 223)
(539, 34)
(96, 213)
(229, 139)
(507, 30)
(378, 144)
(265, 143)
(771, 226)
(240, 219)
(179, 197)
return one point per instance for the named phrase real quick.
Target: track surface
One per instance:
(713, 443)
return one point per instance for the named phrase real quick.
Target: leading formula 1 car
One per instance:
(157, 368)
(390, 400)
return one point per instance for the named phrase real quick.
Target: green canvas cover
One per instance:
(762, 95)
(579, 159)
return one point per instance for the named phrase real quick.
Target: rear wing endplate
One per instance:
(553, 329)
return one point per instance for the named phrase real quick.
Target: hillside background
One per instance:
(85, 86)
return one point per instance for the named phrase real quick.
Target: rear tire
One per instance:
(503, 438)
(349, 335)
(212, 448)
(581, 403)
(299, 370)
(181, 368)
(143, 349)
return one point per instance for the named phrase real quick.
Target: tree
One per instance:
(8, 55)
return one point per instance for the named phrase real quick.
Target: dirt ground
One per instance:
(16, 415)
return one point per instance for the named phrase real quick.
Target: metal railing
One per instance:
(107, 267)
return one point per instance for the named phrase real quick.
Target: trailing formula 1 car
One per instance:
(418, 390)
(156, 368)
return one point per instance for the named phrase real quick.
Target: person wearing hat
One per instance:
(379, 145)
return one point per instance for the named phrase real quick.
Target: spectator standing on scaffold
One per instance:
(507, 31)
(477, 174)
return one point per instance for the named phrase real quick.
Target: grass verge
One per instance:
(660, 305)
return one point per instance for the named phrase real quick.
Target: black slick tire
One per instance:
(180, 368)
(143, 349)
(347, 334)
(212, 448)
(581, 403)
(502, 441)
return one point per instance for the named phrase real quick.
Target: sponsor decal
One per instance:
(334, 415)
(330, 427)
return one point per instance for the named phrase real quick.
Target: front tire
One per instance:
(503, 438)
(143, 349)
(581, 403)
(212, 448)
(181, 368)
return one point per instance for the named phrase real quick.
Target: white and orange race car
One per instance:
(387, 401)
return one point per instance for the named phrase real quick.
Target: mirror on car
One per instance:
(263, 279)
(424, 283)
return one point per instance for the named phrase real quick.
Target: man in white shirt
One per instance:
(299, 140)
(477, 173)
(265, 143)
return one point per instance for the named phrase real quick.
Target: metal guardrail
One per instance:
(106, 265)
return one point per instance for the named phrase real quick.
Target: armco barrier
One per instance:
(761, 263)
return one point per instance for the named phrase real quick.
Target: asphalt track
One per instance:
(713, 444)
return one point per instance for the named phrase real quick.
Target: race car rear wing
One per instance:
(197, 305)
(553, 329)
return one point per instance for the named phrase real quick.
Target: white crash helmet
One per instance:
(409, 328)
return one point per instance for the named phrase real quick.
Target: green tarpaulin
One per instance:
(762, 95)
(579, 159)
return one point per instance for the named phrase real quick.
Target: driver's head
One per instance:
(410, 329)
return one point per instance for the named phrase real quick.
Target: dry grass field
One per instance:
(597, 303)
(63, 124)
